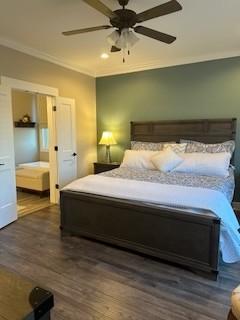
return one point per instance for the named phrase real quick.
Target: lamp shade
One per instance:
(113, 37)
(107, 138)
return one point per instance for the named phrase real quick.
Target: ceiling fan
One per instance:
(125, 21)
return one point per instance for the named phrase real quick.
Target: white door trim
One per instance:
(54, 198)
(29, 86)
(52, 93)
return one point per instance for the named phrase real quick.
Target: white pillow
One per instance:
(208, 164)
(176, 147)
(166, 160)
(138, 159)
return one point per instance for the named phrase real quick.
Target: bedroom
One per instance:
(192, 79)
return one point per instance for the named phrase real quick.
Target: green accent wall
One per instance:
(194, 91)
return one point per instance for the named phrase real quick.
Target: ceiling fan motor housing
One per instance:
(123, 2)
(124, 19)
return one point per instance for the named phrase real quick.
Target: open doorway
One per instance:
(62, 143)
(31, 146)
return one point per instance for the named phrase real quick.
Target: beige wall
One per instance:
(21, 104)
(26, 143)
(70, 84)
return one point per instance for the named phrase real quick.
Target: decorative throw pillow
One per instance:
(152, 146)
(176, 147)
(138, 159)
(166, 160)
(194, 146)
(207, 164)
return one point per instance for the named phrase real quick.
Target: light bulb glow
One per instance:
(104, 55)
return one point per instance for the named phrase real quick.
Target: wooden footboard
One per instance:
(184, 238)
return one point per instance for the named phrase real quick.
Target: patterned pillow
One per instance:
(194, 146)
(176, 147)
(152, 146)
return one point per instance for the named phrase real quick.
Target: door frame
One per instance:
(51, 94)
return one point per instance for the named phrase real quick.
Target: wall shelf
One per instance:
(20, 124)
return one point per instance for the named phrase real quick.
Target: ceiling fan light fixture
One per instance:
(132, 39)
(121, 43)
(126, 40)
(124, 21)
(113, 37)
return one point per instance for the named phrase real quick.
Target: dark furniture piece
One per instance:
(236, 208)
(231, 316)
(103, 166)
(41, 194)
(22, 300)
(21, 124)
(183, 238)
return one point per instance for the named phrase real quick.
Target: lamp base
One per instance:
(108, 155)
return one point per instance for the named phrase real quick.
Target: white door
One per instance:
(66, 141)
(8, 201)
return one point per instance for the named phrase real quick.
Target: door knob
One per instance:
(74, 154)
(2, 164)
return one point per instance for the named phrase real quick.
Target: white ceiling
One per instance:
(205, 30)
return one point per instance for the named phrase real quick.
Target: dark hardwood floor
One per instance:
(93, 281)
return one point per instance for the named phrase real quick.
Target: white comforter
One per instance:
(170, 195)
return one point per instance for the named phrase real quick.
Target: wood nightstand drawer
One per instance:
(102, 166)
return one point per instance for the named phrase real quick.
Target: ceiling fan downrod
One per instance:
(123, 3)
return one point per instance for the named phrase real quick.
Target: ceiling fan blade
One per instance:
(161, 10)
(84, 30)
(99, 6)
(115, 49)
(155, 34)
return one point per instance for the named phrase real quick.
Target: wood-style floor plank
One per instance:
(30, 202)
(91, 280)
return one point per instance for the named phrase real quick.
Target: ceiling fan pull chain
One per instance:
(128, 48)
(123, 55)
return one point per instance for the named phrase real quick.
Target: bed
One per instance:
(161, 231)
(33, 176)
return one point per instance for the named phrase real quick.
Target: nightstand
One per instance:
(103, 166)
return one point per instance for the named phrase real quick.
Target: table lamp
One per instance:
(107, 140)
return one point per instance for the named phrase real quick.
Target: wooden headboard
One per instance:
(206, 130)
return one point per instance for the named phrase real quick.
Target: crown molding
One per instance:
(153, 64)
(43, 56)
(158, 64)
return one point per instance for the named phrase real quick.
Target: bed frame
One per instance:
(183, 238)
